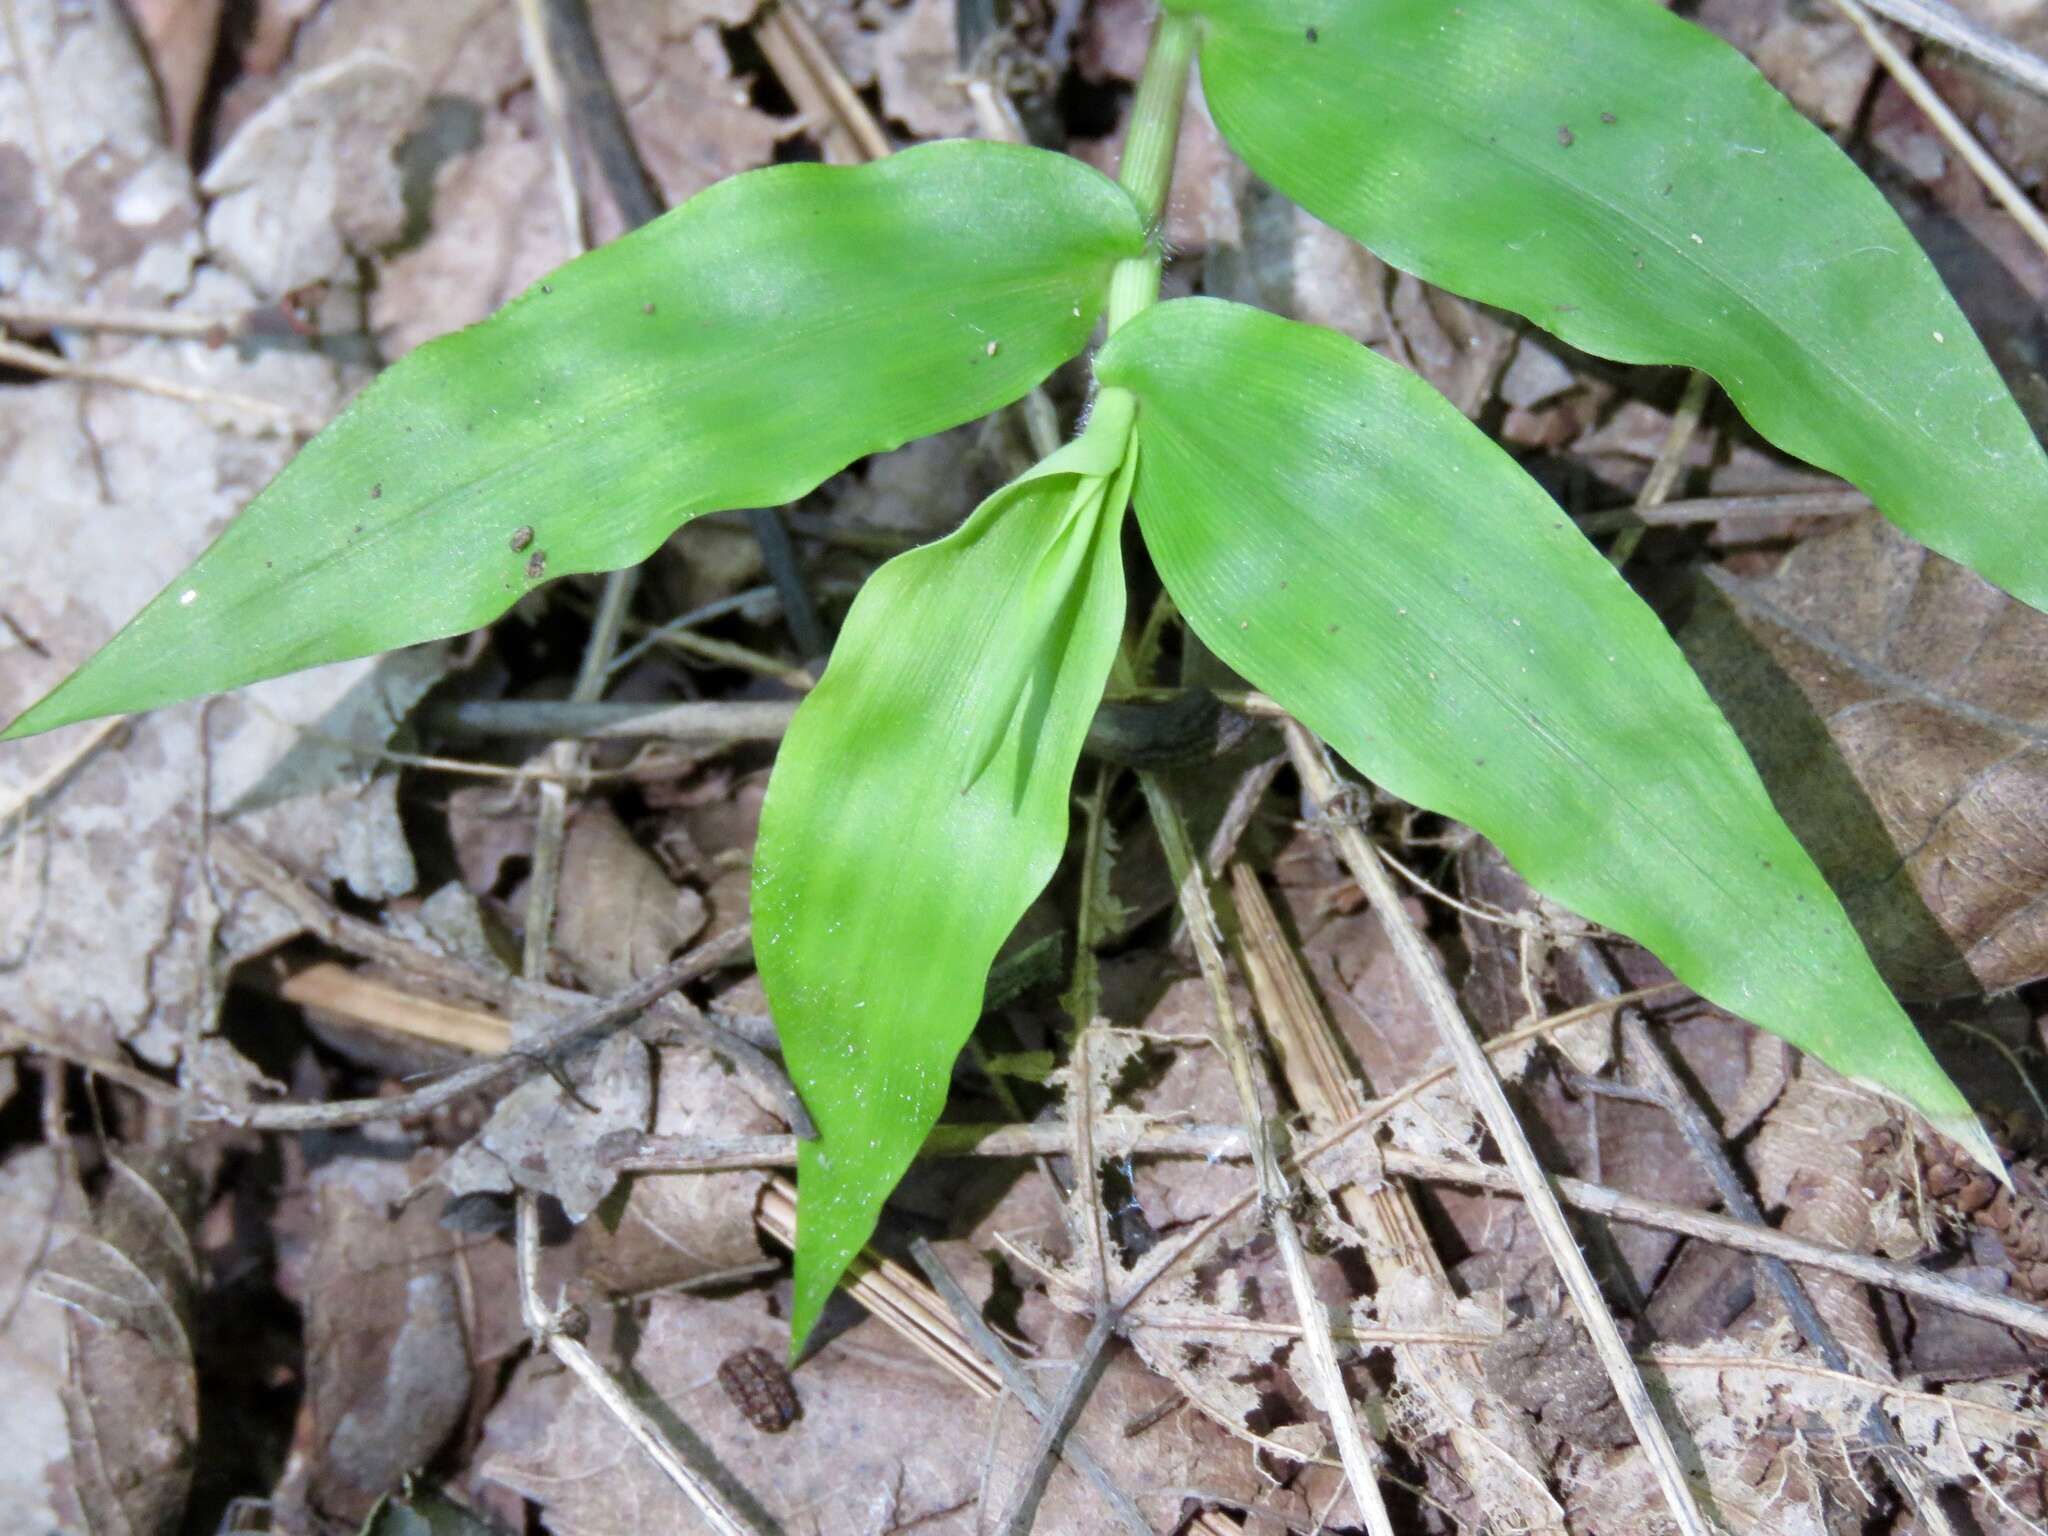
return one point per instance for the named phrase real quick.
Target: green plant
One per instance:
(1328, 525)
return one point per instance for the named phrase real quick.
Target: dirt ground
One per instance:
(223, 1307)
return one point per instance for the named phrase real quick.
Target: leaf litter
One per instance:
(372, 176)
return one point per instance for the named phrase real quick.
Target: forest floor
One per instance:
(221, 1310)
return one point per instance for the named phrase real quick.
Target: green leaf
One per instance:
(1339, 533)
(733, 353)
(1632, 184)
(893, 862)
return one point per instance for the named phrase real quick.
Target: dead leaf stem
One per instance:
(547, 1326)
(1483, 1086)
(1275, 1197)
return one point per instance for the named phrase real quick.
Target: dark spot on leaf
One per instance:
(1332, 629)
(377, 491)
(547, 287)
(521, 537)
(537, 566)
(1564, 136)
(1478, 762)
(1609, 118)
(647, 308)
(359, 527)
(1311, 34)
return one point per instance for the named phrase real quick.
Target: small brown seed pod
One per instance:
(760, 1388)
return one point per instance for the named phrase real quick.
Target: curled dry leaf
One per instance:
(388, 1359)
(131, 1394)
(546, 1135)
(618, 917)
(1897, 707)
(103, 922)
(310, 184)
(37, 1199)
(668, 1231)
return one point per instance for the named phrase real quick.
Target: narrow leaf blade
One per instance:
(1343, 537)
(882, 887)
(733, 353)
(1633, 185)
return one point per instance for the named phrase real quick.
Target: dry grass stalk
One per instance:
(1947, 124)
(1324, 1374)
(549, 1327)
(1494, 1450)
(911, 1307)
(1481, 1083)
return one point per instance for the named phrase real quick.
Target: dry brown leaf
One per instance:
(388, 1359)
(670, 1230)
(38, 1199)
(179, 36)
(1897, 707)
(617, 915)
(917, 66)
(309, 186)
(131, 1394)
(548, 1139)
(887, 1439)
(103, 920)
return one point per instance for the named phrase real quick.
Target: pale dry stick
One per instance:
(546, 1326)
(1482, 1085)
(1940, 22)
(1274, 1193)
(1947, 124)
(1018, 1380)
(2025, 1423)
(820, 89)
(554, 111)
(58, 774)
(1125, 1135)
(1652, 1070)
(1664, 470)
(334, 988)
(267, 414)
(601, 1015)
(900, 1301)
(30, 314)
(1729, 509)
(1412, 1280)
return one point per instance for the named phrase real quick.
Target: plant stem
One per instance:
(1147, 167)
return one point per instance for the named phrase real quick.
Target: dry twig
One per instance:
(1482, 1085)
(552, 1330)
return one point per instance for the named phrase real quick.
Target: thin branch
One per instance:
(547, 1326)
(32, 315)
(1941, 22)
(611, 1011)
(1482, 1085)
(1664, 471)
(264, 414)
(1018, 1380)
(1668, 1091)
(1947, 124)
(1275, 1198)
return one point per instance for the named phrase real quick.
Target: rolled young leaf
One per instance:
(1632, 184)
(733, 353)
(1338, 533)
(896, 853)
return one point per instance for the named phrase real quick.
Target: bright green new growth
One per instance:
(897, 851)
(1328, 525)
(1337, 531)
(1631, 183)
(733, 353)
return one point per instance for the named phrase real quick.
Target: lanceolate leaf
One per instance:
(1338, 533)
(893, 860)
(1630, 183)
(733, 353)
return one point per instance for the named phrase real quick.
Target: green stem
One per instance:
(1147, 168)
